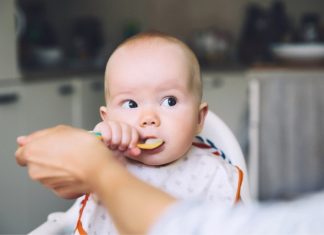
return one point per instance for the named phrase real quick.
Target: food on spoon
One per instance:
(150, 143)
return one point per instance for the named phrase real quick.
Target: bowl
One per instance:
(48, 56)
(302, 52)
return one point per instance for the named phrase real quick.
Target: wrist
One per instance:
(106, 177)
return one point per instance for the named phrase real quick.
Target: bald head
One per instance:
(157, 41)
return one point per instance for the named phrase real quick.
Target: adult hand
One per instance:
(63, 158)
(72, 162)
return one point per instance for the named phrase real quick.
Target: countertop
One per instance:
(51, 75)
(210, 72)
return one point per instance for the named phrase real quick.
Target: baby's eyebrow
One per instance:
(127, 92)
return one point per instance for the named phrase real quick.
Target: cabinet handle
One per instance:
(65, 90)
(8, 98)
(97, 86)
(217, 82)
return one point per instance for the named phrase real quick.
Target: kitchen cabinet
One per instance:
(91, 97)
(8, 40)
(226, 94)
(286, 130)
(26, 107)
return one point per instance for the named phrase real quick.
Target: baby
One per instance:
(153, 93)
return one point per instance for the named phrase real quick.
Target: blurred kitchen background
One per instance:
(262, 69)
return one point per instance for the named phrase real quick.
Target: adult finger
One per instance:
(69, 191)
(20, 157)
(22, 152)
(35, 135)
(24, 139)
(21, 140)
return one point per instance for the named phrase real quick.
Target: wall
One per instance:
(180, 17)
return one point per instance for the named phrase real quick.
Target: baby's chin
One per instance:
(153, 160)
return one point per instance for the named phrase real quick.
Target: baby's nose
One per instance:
(150, 120)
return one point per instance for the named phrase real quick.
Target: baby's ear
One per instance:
(103, 113)
(203, 110)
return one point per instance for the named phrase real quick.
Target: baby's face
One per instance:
(151, 89)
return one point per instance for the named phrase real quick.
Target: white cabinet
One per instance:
(90, 98)
(226, 94)
(287, 129)
(8, 40)
(25, 108)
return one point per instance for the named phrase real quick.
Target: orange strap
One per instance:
(239, 185)
(79, 226)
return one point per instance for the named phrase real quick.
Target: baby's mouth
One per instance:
(150, 143)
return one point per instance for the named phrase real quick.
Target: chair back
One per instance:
(217, 133)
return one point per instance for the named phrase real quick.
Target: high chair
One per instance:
(218, 135)
(215, 133)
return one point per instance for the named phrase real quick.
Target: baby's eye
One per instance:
(169, 101)
(129, 104)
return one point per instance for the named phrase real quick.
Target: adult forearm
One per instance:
(133, 205)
